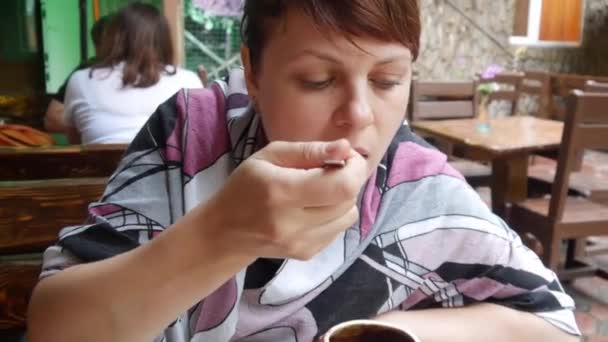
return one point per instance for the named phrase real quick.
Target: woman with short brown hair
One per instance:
(290, 198)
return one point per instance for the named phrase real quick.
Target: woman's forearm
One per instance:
(133, 296)
(481, 322)
(53, 119)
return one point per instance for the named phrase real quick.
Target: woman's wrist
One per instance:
(207, 226)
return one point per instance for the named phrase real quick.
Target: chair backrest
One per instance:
(586, 127)
(441, 100)
(563, 84)
(41, 191)
(509, 83)
(597, 87)
(537, 84)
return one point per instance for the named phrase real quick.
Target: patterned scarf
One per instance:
(424, 238)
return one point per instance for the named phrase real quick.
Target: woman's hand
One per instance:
(281, 202)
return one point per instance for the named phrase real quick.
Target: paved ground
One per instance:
(591, 298)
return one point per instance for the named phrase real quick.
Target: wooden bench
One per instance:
(41, 191)
(74, 161)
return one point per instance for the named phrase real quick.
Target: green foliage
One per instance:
(220, 34)
(210, 22)
(485, 88)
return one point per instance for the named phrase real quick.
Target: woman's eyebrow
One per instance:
(402, 57)
(317, 54)
(398, 58)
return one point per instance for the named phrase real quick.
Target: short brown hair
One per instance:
(139, 36)
(392, 20)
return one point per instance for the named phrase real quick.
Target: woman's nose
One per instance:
(355, 110)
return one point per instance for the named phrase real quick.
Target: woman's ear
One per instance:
(252, 86)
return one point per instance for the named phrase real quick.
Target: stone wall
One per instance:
(454, 48)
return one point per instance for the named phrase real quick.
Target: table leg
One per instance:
(509, 182)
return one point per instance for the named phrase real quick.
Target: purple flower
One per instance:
(233, 8)
(491, 71)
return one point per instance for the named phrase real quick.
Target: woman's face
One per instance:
(311, 86)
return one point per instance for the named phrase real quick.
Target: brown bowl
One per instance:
(368, 331)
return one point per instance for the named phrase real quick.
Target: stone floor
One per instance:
(591, 298)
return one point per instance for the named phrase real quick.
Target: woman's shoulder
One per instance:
(187, 77)
(96, 74)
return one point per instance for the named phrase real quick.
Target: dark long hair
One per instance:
(139, 36)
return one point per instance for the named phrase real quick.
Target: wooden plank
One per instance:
(591, 185)
(563, 84)
(508, 77)
(33, 212)
(173, 11)
(445, 89)
(594, 138)
(597, 87)
(17, 280)
(561, 20)
(509, 182)
(593, 107)
(505, 95)
(531, 89)
(445, 109)
(520, 24)
(63, 162)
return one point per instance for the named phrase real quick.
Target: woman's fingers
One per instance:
(322, 186)
(304, 155)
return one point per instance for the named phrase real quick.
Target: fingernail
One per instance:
(333, 146)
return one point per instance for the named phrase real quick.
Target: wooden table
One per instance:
(507, 145)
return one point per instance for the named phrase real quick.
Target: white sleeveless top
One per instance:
(105, 112)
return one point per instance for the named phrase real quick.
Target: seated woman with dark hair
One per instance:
(110, 101)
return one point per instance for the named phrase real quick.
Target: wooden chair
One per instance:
(448, 100)
(563, 84)
(588, 184)
(538, 84)
(563, 217)
(41, 191)
(441, 100)
(509, 82)
(596, 87)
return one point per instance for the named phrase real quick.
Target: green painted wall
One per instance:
(110, 6)
(61, 40)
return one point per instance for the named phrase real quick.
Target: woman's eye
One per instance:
(386, 84)
(316, 85)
